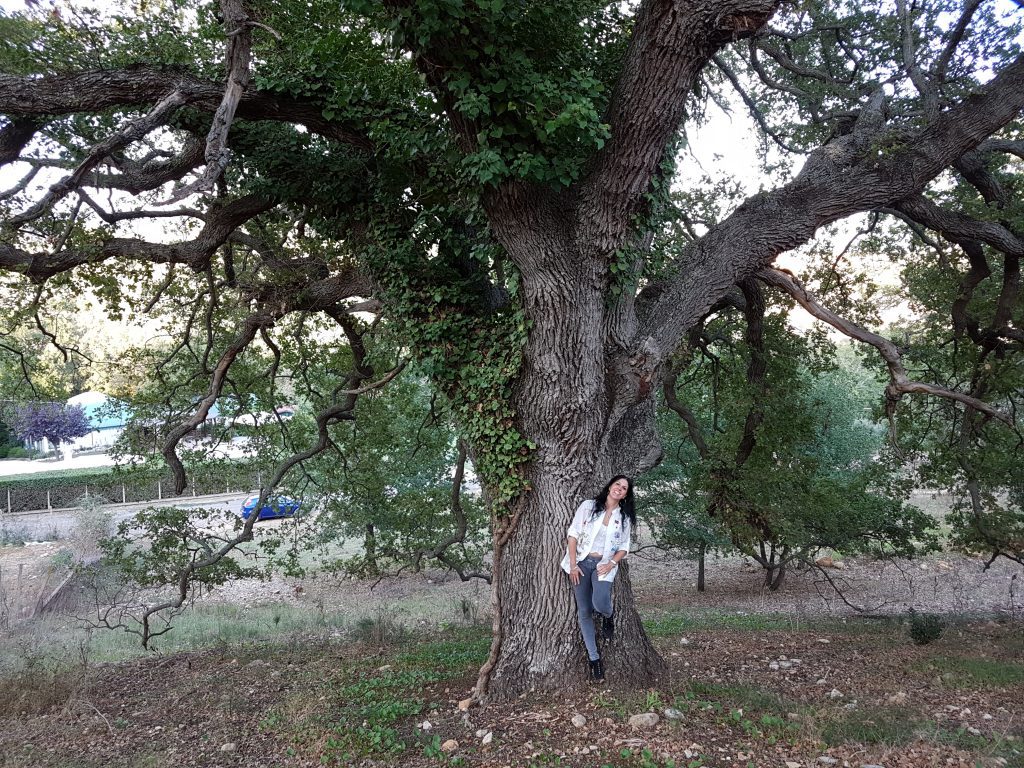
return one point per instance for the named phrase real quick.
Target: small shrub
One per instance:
(925, 627)
(13, 537)
(378, 630)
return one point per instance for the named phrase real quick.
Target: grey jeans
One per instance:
(592, 596)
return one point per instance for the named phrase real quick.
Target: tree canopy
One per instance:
(496, 183)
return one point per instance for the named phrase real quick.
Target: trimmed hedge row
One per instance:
(67, 488)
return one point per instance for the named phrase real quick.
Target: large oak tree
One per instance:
(493, 177)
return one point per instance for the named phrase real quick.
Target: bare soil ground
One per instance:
(952, 703)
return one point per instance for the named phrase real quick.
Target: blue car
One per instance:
(273, 508)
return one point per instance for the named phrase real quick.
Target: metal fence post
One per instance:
(159, 490)
(48, 499)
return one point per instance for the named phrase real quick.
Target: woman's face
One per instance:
(619, 489)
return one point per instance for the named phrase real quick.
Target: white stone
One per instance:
(973, 731)
(826, 760)
(229, 747)
(487, 739)
(426, 725)
(450, 746)
(644, 720)
(579, 721)
(835, 693)
(671, 713)
(481, 732)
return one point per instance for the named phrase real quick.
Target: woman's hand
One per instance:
(575, 574)
(605, 568)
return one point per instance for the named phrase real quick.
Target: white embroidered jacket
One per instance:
(584, 528)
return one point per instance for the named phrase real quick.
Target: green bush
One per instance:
(64, 488)
(925, 627)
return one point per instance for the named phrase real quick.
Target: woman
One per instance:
(599, 538)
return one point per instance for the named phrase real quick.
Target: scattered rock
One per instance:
(973, 731)
(644, 720)
(684, 641)
(229, 747)
(579, 721)
(773, 666)
(450, 746)
(835, 693)
(821, 681)
(487, 739)
(986, 716)
(793, 764)
(481, 733)
(826, 760)
(426, 725)
(871, 765)
(794, 717)
(825, 562)
(824, 640)
(671, 713)
(896, 699)
(465, 704)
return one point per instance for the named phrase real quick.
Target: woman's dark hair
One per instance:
(625, 506)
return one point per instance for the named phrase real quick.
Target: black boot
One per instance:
(608, 627)
(597, 670)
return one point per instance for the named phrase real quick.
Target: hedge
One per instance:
(65, 488)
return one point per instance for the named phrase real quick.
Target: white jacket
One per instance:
(584, 528)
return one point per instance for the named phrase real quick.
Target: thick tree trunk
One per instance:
(541, 645)
(585, 431)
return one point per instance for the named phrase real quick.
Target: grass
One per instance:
(671, 624)
(202, 627)
(974, 672)
(367, 710)
(869, 725)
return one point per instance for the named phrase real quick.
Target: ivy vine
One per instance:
(472, 355)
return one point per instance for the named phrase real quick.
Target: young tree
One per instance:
(490, 175)
(783, 454)
(56, 422)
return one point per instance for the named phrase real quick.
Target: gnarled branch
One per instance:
(899, 383)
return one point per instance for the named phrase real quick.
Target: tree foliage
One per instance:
(56, 422)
